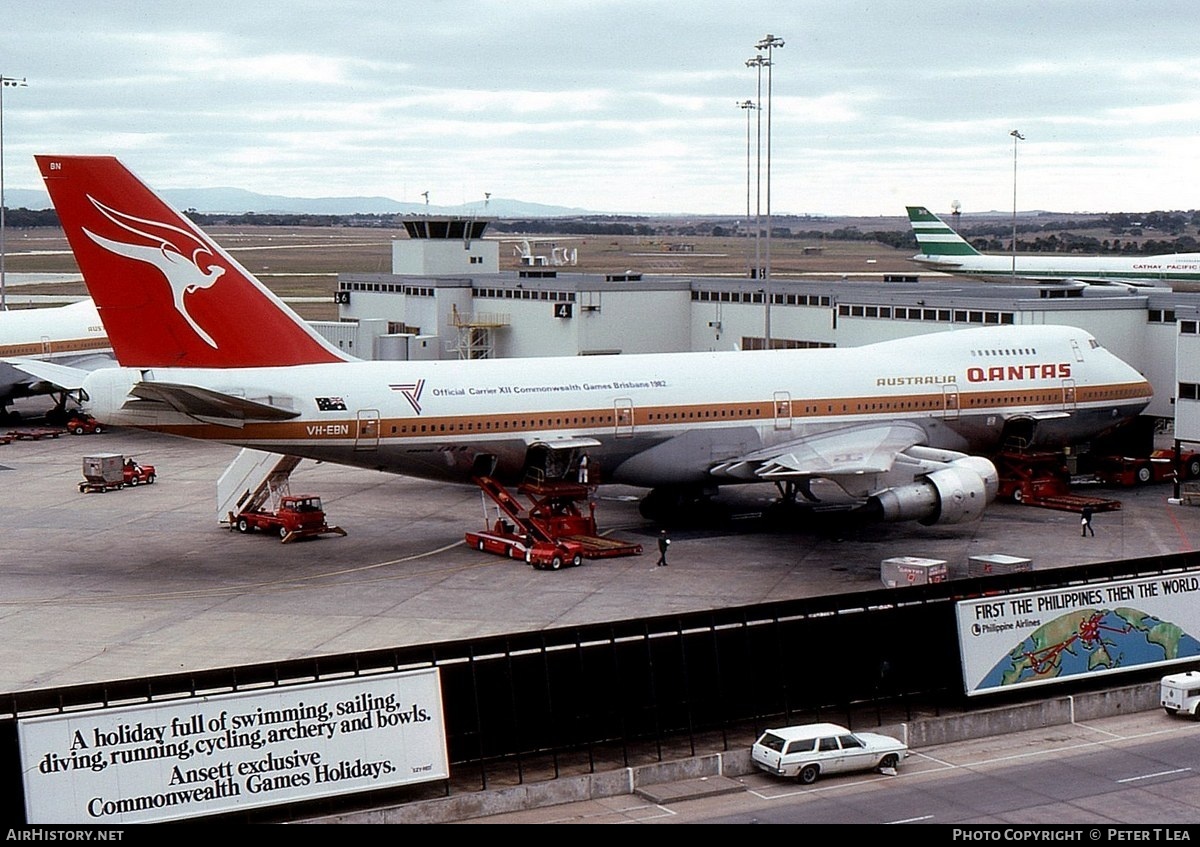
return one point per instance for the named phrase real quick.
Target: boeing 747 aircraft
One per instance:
(67, 335)
(897, 428)
(943, 249)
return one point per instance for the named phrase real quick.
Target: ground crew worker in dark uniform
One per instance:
(663, 544)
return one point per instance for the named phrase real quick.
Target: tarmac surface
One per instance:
(146, 581)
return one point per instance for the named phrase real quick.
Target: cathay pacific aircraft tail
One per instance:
(943, 249)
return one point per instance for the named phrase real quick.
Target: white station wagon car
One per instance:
(809, 751)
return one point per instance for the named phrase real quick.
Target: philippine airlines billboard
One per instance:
(207, 755)
(1043, 637)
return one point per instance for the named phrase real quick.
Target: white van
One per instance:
(1179, 693)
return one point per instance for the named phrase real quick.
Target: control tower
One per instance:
(445, 246)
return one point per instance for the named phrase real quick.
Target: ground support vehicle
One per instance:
(296, 516)
(1179, 694)
(35, 433)
(84, 425)
(1043, 479)
(809, 751)
(1189, 462)
(112, 471)
(135, 473)
(550, 532)
(1128, 471)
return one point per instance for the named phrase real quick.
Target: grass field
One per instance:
(305, 262)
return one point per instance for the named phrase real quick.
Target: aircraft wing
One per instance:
(208, 405)
(854, 451)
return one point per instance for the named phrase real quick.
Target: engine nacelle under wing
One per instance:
(956, 493)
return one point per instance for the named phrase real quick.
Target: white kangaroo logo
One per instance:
(183, 272)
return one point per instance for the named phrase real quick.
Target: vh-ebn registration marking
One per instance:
(328, 429)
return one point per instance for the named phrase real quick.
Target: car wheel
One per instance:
(480, 545)
(889, 762)
(576, 560)
(78, 430)
(98, 430)
(556, 563)
(1018, 495)
(1193, 469)
(1143, 475)
(150, 479)
(283, 532)
(808, 774)
(243, 525)
(133, 480)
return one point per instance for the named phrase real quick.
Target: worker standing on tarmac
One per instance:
(663, 544)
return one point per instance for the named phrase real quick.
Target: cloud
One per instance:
(620, 106)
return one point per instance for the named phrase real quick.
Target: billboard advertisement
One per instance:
(1042, 637)
(222, 753)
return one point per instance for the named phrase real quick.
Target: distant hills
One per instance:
(236, 201)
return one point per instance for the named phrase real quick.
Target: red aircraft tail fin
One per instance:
(167, 294)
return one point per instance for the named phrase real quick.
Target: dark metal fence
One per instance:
(583, 698)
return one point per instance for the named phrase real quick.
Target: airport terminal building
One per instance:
(447, 298)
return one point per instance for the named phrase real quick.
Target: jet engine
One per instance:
(957, 492)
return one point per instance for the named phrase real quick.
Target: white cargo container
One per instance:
(103, 472)
(997, 563)
(902, 571)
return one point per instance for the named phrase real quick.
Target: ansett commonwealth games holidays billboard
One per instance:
(207, 755)
(1047, 636)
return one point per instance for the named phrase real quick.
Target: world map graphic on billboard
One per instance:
(1085, 641)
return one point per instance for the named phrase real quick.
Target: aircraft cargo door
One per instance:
(366, 432)
(623, 418)
(950, 402)
(1068, 395)
(783, 410)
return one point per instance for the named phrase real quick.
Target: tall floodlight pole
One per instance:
(1016, 136)
(747, 105)
(757, 62)
(5, 82)
(768, 44)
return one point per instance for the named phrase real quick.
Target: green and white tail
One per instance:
(935, 237)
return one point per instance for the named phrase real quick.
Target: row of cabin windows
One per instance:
(1186, 391)
(580, 420)
(1022, 351)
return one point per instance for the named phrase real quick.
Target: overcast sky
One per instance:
(622, 107)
